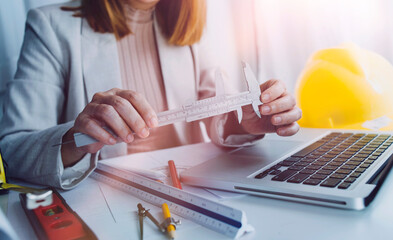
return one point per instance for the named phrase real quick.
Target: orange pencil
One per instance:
(174, 176)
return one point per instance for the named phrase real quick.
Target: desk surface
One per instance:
(272, 219)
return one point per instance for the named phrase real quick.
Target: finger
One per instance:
(129, 115)
(141, 105)
(272, 92)
(279, 105)
(111, 118)
(286, 118)
(288, 130)
(101, 97)
(91, 127)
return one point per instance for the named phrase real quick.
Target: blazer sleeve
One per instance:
(34, 108)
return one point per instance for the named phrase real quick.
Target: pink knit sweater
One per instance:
(141, 72)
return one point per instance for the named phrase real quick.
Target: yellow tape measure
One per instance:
(2, 171)
(7, 186)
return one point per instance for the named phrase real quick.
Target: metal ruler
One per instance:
(213, 215)
(197, 110)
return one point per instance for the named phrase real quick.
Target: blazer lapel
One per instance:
(101, 69)
(178, 70)
(100, 61)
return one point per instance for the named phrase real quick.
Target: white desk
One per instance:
(272, 219)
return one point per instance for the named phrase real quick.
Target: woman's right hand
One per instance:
(125, 112)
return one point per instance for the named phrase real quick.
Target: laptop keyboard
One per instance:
(336, 160)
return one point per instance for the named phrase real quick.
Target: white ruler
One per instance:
(213, 215)
(197, 110)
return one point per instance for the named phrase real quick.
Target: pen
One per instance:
(174, 176)
(171, 228)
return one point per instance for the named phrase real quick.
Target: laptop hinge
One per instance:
(291, 195)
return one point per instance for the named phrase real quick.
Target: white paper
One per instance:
(158, 160)
(223, 195)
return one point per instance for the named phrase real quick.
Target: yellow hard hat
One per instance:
(346, 87)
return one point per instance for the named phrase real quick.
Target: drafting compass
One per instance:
(142, 213)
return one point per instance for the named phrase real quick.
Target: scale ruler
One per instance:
(218, 217)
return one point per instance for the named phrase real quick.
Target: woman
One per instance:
(116, 63)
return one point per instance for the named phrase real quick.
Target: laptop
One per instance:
(343, 169)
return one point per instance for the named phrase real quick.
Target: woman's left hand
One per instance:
(279, 112)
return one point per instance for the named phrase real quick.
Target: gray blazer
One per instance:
(63, 63)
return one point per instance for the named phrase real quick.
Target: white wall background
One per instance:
(289, 31)
(231, 37)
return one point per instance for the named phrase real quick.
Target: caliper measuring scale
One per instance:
(209, 107)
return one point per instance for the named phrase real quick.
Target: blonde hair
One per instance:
(182, 21)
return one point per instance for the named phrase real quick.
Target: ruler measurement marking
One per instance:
(226, 229)
(179, 202)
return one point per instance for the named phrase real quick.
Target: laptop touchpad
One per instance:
(260, 155)
(272, 149)
(244, 161)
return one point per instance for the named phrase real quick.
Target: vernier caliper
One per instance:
(197, 110)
